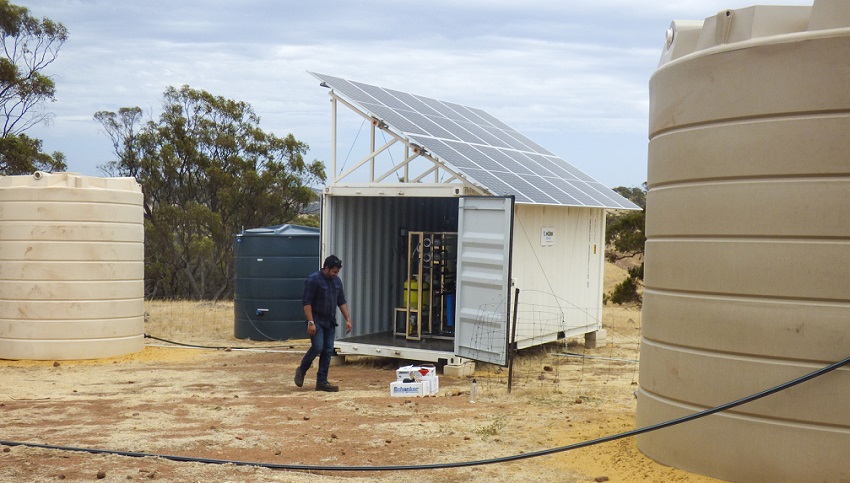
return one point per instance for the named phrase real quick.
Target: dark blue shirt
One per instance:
(324, 295)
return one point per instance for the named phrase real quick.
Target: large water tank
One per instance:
(271, 265)
(748, 244)
(71, 267)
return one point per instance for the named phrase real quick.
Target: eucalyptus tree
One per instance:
(27, 47)
(625, 235)
(207, 170)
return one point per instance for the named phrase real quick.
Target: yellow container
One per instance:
(413, 287)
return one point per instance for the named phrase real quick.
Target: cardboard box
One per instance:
(415, 372)
(419, 374)
(435, 384)
(410, 389)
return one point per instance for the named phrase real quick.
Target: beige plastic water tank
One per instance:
(748, 244)
(71, 267)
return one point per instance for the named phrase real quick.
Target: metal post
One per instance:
(407, 164)
(512, 345)
(372, 150)
(333, 138)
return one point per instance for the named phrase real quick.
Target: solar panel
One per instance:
(487, 151)
(505, 160)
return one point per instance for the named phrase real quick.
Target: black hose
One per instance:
(195, 346)
(461, 464)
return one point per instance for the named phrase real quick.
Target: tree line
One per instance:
(207, 170)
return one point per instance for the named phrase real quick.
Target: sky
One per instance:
(572, 76)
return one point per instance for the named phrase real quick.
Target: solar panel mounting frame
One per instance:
(470, 146)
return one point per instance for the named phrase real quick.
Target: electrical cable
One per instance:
(148, 336)
(392, 160)
(258, 329)
(351, 148)
(250, 320)
(432, 466)
(195, 346)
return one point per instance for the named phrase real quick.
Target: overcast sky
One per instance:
(571, 75)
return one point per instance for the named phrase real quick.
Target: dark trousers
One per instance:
(322, 345)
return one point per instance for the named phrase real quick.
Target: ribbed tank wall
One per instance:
(271, 265)
(71, 267)
(748, 248)
(365, 232)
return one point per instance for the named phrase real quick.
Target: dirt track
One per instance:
(242, 405)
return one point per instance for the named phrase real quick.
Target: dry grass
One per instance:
(190, 321)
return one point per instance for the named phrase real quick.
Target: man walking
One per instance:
(322, 295)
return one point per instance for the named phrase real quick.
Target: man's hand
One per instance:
(348, 326)
(311, 329)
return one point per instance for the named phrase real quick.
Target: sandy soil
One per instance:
(241, 405)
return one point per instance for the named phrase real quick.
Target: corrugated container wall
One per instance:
(71, 267)
(271, 265)
(365, 232)
(748, 245)
(560, 279)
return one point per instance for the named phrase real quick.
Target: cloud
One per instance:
(563, 73)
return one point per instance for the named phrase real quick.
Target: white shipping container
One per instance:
(500, 248)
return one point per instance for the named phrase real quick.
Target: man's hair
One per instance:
(332, 262)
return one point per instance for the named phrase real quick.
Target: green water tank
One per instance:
(271, 265)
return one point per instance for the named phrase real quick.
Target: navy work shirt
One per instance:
(324, 295)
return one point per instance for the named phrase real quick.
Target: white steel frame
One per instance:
(412, 151)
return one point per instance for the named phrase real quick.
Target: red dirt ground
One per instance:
(242, 405)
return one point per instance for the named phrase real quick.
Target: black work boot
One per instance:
(326, 386)
(299, 377)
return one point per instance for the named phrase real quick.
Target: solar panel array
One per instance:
(487, 151)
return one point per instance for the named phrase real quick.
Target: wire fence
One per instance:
(557, 359)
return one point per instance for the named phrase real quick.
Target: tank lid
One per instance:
(763, 22)
(282, 230)
(41, 179)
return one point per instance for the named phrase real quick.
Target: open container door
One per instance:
(485, 241)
